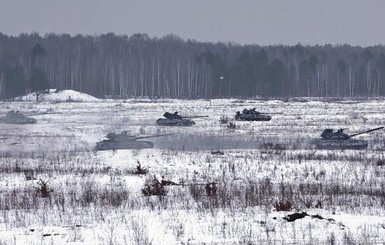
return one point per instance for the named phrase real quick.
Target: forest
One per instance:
(119, 66)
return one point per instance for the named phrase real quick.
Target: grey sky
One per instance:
(355, 22)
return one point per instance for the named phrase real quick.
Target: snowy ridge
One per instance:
(55, 95)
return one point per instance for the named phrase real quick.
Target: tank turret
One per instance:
(252, 115)
(125, 141)
(16, 117)
(174, 119)
(340, 141)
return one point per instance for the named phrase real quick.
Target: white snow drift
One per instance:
(55, 95)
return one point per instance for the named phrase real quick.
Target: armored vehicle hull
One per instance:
(17, 121)
(125, 141)
(119, 145)
(345, 144)
(175, 122)
(13, 117)
(252, 117)
(338, 140)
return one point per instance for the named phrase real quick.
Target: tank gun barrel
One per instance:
(194, 116)
(371, 130)
(193, 184)
(152, 136)
(273, 113)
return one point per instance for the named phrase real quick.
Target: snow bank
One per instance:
(54, 95)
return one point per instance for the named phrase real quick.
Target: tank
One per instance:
(339, 140)
(125, 141)
(16, 117)
(173, 119)
(252, 115)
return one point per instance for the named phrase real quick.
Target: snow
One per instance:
(55, 95)
(97, 199)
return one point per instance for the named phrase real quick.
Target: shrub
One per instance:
(211, 189)
(43, 189)
(231, 125)
(282, 205)
(224, 120)
(140, 170)
(155, 188)
(380, 162)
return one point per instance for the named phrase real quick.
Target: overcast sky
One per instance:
(356, 22)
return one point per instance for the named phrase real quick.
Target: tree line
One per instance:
(139, 66)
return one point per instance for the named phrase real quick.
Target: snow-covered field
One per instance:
(96, 198)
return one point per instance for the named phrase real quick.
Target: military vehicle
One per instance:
(16, 117)
(173, 119)
(340, 141)
(125, 141)
(253, 115)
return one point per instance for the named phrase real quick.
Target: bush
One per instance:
(43, 189)
(155, 188)
(211, 189)
(140, 170)
(224, 120)
(283, 205)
